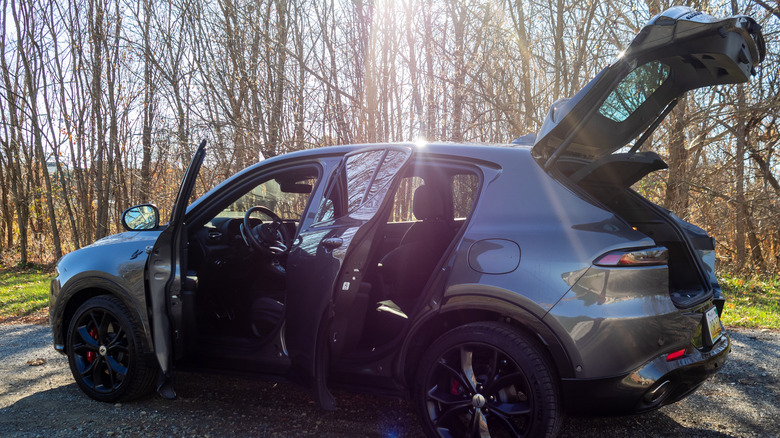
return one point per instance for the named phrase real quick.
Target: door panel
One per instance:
(392, 234)
(164, 277)
(327, 264)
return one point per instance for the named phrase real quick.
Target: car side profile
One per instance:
(497, 286)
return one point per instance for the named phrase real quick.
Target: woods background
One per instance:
(103, 101)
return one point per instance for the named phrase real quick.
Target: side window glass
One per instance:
(359, 171)
(327, 211)
(286, 199)
(361, 184)
(384, 176)
(464, 190)
(404, 198)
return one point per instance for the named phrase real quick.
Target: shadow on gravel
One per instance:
(741, 400)
(208, 405)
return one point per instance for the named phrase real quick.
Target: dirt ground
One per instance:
(38, 397)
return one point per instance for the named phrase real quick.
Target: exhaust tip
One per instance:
(658, 393)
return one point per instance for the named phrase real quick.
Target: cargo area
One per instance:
(608, 181)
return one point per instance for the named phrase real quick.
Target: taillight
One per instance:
(635, 257)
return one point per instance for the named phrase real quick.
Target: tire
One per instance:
(105, 354)
(486, 377)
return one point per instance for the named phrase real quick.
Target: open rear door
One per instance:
(326, 266)
(678, 50)
(164, 280)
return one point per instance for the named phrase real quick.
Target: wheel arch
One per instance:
(476, 309)
(86, 288)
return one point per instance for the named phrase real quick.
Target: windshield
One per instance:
(288, 200)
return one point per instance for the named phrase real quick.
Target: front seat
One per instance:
(404, 271)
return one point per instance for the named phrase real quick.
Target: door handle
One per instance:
(332, 242)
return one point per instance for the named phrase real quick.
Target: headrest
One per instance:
(427, 204)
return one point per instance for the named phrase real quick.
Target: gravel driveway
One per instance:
(38, 397)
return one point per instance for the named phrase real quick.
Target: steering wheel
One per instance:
(270, 238)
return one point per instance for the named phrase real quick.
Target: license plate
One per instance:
(713, 324)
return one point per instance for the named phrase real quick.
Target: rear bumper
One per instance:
(657, 383)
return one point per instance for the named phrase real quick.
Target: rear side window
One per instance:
(361, 184)
(458, 191)
(464, 190)
(402, 204)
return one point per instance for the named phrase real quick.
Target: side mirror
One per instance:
(141, 217)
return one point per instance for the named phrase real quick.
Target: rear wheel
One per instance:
(486, 379)
(104, 351)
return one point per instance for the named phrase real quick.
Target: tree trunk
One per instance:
(429, 130)
(7, 234)
(739, 181)
(13, 144)
(299, 107)
(280, 51)
(458, 16)
(759, 264)
(676, 198)
(416, 115)
(145, 194)
(95, 15)
(31, 73)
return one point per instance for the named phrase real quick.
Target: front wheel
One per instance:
(486, 379)
(104, 351)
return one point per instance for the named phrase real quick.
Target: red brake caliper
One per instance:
(91, 354)
(455, 387)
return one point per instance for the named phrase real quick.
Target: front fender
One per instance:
(87, 285)
(114, 265)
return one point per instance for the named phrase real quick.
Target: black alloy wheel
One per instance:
(486, 380)
(104, 354)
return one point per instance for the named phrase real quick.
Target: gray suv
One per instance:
(496, 286)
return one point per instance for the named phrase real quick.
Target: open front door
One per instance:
(326, 266)
(164, 280)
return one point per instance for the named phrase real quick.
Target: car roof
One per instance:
(482, 151)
